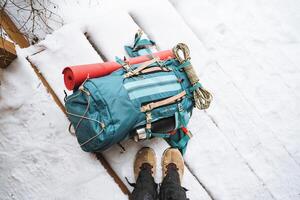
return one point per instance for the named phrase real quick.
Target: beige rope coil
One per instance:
(201, 96)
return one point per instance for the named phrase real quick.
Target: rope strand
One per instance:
(201, 96)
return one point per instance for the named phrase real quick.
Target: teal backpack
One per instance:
(141, 101)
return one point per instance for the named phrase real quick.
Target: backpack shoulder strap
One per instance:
(140, 68)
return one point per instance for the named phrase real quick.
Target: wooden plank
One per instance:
(99, 156)
(47, 86)
(262, 119)
(109, 45)
(7, 52)
(7, 46)
(209, 165)
(12, 31)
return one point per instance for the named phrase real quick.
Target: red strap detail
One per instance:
(185, 130)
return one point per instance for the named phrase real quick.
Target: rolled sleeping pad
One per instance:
(74, 76)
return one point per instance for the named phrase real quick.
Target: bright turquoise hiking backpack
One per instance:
(150, 99)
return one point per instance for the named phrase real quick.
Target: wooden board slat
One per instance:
(12, 31)
(99, 156)
(7, 52)
(107, 45)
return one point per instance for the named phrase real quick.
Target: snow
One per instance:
(38, 157)
(252, 70)
(100, 39)
(245, 146)
(61, 50)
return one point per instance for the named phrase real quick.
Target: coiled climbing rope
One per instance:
(201, 96)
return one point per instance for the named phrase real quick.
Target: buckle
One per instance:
(180, 108)
(147, 107)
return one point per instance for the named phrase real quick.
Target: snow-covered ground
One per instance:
(38, 157)
(245, 146)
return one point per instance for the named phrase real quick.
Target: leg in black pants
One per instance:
(170, 188)
(145, 187)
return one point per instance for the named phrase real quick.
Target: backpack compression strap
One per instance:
(170, 100)
(140, 68)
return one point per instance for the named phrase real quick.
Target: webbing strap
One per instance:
(170, 100)
(195, 87)
(155, 69)
(182, 143)
(142, 43)
(124, 64)
(184, 64)
(182, 121)
(120, 61)
(161, 135)
(140, 68)
(148, 121)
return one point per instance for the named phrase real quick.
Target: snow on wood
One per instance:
(246, 146)
(57, 52)
(12, 31)
(260, 113)
(110, 44)
(39, 159)
(66, 47)
(235, 167)
(7, 52)
(120, 162)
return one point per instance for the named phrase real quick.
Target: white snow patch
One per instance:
(39, 159)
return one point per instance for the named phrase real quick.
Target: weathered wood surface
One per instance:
(7, 52)
(246, 146)
(12, 31)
